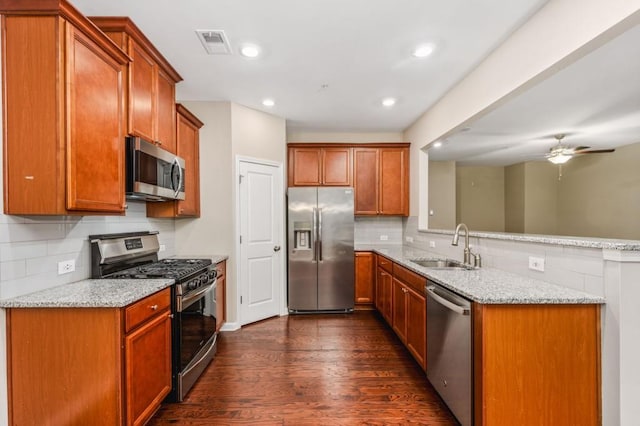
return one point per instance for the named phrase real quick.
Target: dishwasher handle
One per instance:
(462, 310)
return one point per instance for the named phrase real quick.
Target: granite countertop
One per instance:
(98, 293)
(485, 285)
(101, 293)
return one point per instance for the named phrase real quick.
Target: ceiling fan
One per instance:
(560, 153)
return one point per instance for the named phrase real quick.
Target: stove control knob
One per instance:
(192, 285)
(204, 279)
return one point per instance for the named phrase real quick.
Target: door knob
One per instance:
(276, 248)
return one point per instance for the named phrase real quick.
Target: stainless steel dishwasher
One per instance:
(449, 350)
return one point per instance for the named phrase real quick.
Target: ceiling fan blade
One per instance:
(580, 148)
(596, 151)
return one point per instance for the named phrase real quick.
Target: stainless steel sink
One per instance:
(442, 264)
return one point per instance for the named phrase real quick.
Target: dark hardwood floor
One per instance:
(343, 369)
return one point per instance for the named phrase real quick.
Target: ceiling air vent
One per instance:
(214, 41)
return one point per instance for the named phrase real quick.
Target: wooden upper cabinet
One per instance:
(381, 180)
(64, 132)
(365, 182)
(151, 83)
(393, 181)
(188, 147)
(167, 124)
(319, 166)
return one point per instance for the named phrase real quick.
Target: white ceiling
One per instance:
(595, 101)
(360, 49)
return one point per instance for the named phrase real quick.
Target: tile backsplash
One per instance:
(378, 229)
(574, 267)
(32, 246)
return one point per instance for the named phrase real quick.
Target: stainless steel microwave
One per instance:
(152, 173)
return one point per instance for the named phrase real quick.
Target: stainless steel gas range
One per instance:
(194, 337)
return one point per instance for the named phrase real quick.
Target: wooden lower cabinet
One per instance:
(365, 278)
(97, 366)
(384, 288)
(221, 294)
(409, 311)
(536, 364)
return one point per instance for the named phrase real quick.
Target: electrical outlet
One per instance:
(384, 237)
(409, 239)
(536, 263)
(66, 266)
(162, 247)
(432, 244)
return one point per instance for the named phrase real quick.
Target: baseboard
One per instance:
(230, 326)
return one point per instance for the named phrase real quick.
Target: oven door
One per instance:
(195, 338)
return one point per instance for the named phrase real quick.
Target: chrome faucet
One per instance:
(456, 237)
(477, 260)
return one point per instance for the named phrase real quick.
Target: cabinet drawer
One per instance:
(385, 263)
(146, 308)
(411, 279)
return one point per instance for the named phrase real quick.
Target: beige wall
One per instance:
(442, 194)
(348, 137)
(541, 198)
(229, 130)
(599, 195)
(514, 198)
(480, 197)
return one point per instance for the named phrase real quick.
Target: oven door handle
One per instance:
(183, 302)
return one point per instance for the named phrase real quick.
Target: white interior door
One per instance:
(261, 223)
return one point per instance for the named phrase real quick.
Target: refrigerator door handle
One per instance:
(320, 235)
(314, 232)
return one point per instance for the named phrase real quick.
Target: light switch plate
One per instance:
(432, 244)
(536, 263)
(384, 237)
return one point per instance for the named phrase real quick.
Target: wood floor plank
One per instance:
(347, 369)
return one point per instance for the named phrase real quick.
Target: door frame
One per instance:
(283, 221)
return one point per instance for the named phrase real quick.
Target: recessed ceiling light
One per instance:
(250, 51)
(389, 102)
(268, 102)
(423, 51)
(437, 144)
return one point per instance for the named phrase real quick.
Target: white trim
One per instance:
(230, 326)
(283, 236)
(620, 256)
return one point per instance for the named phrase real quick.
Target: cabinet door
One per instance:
(221, 294)
(365, 181)
(383, 294)
(336, 166)
(142, 75)
(95, 157)
(394, 181)
(417, 326)
(166, 113)
(147, 368)
(188, 148)
(399, 309)
(364, 277)
(304, 166)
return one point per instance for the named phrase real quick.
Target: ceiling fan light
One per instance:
(559, 158)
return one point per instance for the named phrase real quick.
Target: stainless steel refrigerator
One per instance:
(320, 249)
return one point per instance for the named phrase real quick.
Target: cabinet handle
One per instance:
(29, 177)
(153, 307)
(158, 143)
(170, 315)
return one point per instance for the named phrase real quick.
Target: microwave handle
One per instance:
(179, 184)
